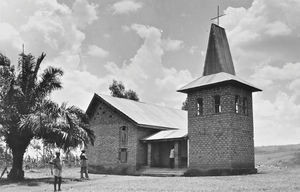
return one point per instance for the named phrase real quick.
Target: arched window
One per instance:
(123, 144)
(245, 106)
(217, 104)
(237, 104)
(199, 106)
(123, 136)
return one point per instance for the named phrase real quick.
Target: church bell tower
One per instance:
(220, 113)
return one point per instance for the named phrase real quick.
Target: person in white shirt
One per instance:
(83, 165)
(172, 157)
(57, 171)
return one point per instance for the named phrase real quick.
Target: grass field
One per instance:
(278, 166)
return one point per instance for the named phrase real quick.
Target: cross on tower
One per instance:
(218, 16)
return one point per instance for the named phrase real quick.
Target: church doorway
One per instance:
(160, 152)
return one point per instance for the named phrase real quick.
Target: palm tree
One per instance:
(26, 112)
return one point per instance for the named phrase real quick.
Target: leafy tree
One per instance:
(26, 112)
(184, 105)
(117, 89)
(130, 94)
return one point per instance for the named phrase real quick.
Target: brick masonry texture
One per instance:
(216, 140)
(220, 140)
(106, 123)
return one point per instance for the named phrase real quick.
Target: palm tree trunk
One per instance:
(18, 145)
(17, 172)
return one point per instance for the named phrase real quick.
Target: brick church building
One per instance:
(215, 133)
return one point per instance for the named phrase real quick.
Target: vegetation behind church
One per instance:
(117, 89)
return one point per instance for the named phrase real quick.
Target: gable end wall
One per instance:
(106, 123)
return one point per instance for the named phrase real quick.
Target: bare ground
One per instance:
(278, 168)
(268, 179)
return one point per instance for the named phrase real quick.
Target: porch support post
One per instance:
(149, 154)
(176, 150)
(188, 152)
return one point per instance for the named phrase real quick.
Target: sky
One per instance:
(155, 47)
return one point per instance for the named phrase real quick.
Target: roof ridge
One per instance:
(144, 114)
(144, 103)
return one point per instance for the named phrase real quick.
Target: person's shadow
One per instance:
(37, 181)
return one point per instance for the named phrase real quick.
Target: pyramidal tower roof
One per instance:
(218, 66)
(218, 57)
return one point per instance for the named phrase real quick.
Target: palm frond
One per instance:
(42, 120)
(38, 64)
(4, 61)
(7, 80)
(79, 113)
(51, 108)
(26, 66)
(66, 127)
(50, 81)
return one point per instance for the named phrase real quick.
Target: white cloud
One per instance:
(172, 45)
(173, 79)
(203, 53)
(262, 18)
(95, 51)
(56, 27)
(79, 87)
(8, 32)
(49, 25)
(10, 39)
(295, 85)
(84, 13)
(266, 75)
(276, 122)
(267, 29)
(145, 72)
(263, 40)
(126, 6)
(106, 35)
(193, 49)
(277, 28)
(58, 30)
(126, 28)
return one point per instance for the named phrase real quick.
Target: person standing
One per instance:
(172, 157)
(83, 165)
(57, 171)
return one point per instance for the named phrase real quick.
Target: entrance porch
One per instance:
(158, 153)
(162, 172)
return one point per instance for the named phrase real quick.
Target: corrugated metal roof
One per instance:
(168, 134)
(218, 56)
(149, 115)
(214, 79)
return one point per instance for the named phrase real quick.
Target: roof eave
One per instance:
(164, 139)
(90, 106)
(157, 127)
(187, 90)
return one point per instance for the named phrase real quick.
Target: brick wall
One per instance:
(106, 123)
(142, 149)
(242, 129)
(220, 140)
